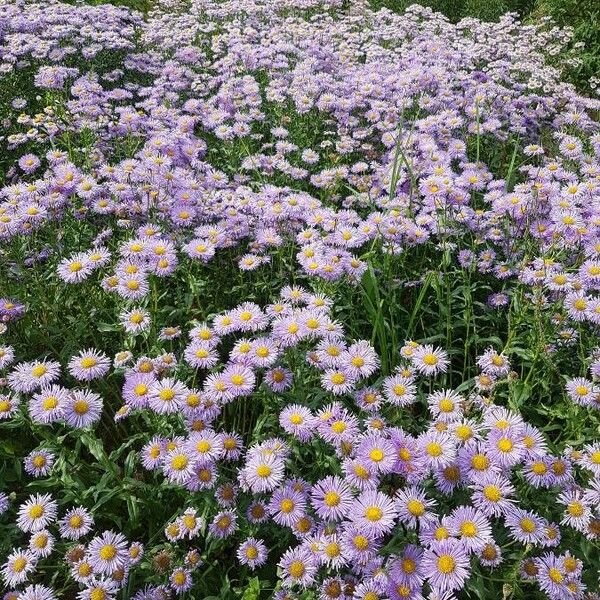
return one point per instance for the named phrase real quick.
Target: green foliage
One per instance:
(456, 10)
(584, 17)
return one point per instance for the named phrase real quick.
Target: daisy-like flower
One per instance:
(331, 498)
(414, 508)
(299, 567)
(447, 566)
(153, 452)
(88, 365)
(17, 567)
(505, 447)
(232, 445)
(31, 376)
(278, 379)
(263, 473)
(378, 452)
(39, 463)
(167, 395)
(76, 523)
(135, 321)
(552, 576)
(287, 506)
(494, 364)
(240, 380)
(201, 355)
(178, 465)
(75, 269)
(330, 551)
(223, 524)
(439, 449)
(252, 552)
(358, 545)
(525, 526)
(82, 408)
(122, 358)
(582, 391)
(37, 592)
(48, 405)
(181, 580)
(445, 405)
(8, 406)
(99, 587)
(206, 446)
(471, 527)
(360, 359)
(257, 513)
(374, 511)
(41, 543)
(7, 355)
(492, 494)
(578, 513)
(399, 390)
(136, 553)
(298, 421)
(338, 381)
(490, 555)
(108, 552)
(430, 361)
(36, 513)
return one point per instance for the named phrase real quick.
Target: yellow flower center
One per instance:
(446, 564)
(430, 359)
(263, 471)
(492, 493)
(338, 378)
(39, 371)
(297, 569)
(468, 529)
(433, 449)
(166, 395)
(373, 513)
(36, 511)
(505, 445)
(76, 521)
(179, 462)
(108, 552)
(575, 509)
(19, 565)
(528, 525)
(39, 461)
(81, 407)
(416, 508)
(376, 455)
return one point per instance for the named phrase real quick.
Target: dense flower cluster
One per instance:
(308, 141)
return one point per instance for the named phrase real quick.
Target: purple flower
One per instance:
(446, 564)
(39, 462)
(252, 552)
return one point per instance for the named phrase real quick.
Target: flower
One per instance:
(39, 462)
(37, 512)
(299, 567)
(430, 361)
(76, 523)
(17, 567)
(252, 552)
(374, 511)
(88, 365)
(108, 552)
(446, 564)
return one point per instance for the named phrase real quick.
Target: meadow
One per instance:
(299, 300)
